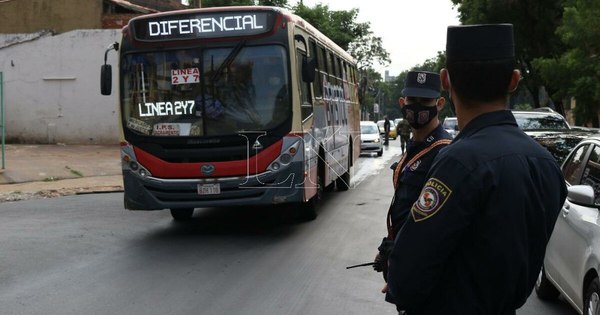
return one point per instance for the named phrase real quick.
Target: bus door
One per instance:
(311, 133)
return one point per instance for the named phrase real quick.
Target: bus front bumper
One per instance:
(150, 193)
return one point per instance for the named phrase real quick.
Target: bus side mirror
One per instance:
(106, 72)
(106, 80)
(309, 68)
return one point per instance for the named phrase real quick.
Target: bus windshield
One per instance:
(205, 92)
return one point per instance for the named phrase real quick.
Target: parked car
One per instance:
(370, 138)
(551, 130)
(450, 124)
(392, 134)
(572, 262)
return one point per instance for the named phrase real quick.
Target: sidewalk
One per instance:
(58, 169)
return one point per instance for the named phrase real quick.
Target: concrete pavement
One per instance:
(44, 169)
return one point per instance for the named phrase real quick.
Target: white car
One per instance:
(572, 262)
(370, 139)
(450, 124)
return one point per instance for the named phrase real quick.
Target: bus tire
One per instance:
(184, 214)
(307, 211)
(343, 182)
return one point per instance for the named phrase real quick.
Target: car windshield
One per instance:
(541, 122)
(170, 93)
(368, 129)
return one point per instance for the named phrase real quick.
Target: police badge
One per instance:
(433, 196)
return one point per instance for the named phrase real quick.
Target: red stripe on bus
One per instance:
(254, 165)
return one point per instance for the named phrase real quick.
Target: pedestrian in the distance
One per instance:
(403, 128)
(386, 130)
(476, 237)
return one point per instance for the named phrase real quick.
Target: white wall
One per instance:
(52, 89)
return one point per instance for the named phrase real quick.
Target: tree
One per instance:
(341, 27)
(370, 81)
(356, 38)
(274, 3)
(534, 23)
(576, 73)
(219, 3)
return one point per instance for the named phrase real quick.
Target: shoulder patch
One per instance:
(433, 196)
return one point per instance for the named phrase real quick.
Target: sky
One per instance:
(412, 31)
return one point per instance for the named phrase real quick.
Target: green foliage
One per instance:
(221, 3)
(534, 23)
(51, 179)
(576, 72)
(274, 3)
(434, 64)
(227, 3)
(337, 25)
(356, 38)
(341, 27)
(523, 106)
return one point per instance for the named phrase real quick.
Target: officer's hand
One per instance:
(384, 289)
(379, 263)
(381, 260)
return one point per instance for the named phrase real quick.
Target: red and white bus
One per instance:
(233, 106)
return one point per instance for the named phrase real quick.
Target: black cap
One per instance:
(479, 42)
(422, 84)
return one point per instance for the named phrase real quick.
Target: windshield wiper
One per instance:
(228, 60)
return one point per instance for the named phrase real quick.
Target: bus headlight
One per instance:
(134, 166)
(285, 159)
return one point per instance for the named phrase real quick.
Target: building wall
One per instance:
(52, 89)
(28, 16)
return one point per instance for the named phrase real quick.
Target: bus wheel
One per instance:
(184, 214)
(343, 182)
(307, 211)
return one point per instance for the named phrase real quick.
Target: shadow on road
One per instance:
(246, 221)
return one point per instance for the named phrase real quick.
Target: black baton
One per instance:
(361, 265)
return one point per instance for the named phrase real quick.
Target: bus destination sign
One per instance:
(202, 26)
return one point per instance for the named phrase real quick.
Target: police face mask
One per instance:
(418, 115)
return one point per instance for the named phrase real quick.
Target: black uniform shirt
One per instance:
(413, 175)
(476, 237)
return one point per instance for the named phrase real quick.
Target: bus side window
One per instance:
(305, 94)
(329, 64)
(317, 84)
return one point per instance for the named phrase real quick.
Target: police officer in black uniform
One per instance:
(386, 130)
(420, 106)
(476, 237)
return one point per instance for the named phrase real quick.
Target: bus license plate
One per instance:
(209, 189)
